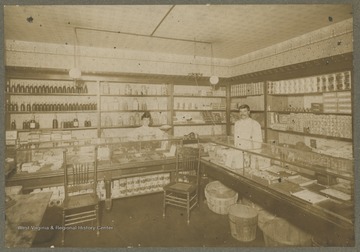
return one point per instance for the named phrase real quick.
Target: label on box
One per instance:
(344, 94)
(329, 95)
(11, 136)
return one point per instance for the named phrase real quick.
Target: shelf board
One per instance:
(198, 96)
(51, 94)
(197, 124)
(232, 124)
(115, 111)
(122, 95)
(51, 112)
(244, 96)
(309, 112)
(313, 135)
(251, 111)
(127, 126)
(58, 129)
(310, 93)
(200, 110)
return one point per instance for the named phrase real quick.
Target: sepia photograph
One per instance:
(222, 125)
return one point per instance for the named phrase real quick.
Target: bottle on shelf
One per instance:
(120, 121)
(32, 124)
(144, 105)
(12, 88)
(13, 125)
(106, 89)
(135, 104)
(212, 130)
(22, 107)
(87, 122)
(55, 123)
(41, 89)
(28, 107)
(117, 104)
(164, 90)
(125, 105)
(8, 106)
(37, 124)
(137, 118)
(8, 88)
(128, 89)
(163, 118)
(132, 120)
(15, 107)
(156, 103)
(144, 90)
(25, 124)
(76, 123)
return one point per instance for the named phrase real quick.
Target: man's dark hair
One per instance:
(244, 106)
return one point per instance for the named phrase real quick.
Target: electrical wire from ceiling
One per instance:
(162, 20)
(141, 35)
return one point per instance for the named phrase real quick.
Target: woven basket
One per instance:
(219, 197)
(243, 222)
(280, 233)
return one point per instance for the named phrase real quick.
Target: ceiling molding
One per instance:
(315, 67)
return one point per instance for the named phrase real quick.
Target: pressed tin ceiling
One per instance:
(232, 30)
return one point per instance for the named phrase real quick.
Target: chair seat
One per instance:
(180, 187)
(80, 200)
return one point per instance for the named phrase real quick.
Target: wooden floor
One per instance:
(138, 222)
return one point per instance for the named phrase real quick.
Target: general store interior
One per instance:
(84, 75)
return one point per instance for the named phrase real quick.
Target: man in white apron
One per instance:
(247, 131)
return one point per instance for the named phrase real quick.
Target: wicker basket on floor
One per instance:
(219, 197)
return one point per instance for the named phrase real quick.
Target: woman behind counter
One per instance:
(145, 132)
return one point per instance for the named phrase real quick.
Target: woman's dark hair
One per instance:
(146, 115)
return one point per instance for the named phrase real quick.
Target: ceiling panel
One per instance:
(233, 30)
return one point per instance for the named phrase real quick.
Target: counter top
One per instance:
(23, 219)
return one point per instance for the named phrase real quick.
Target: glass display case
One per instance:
(293, 177)
(40, 165)
(287, 158)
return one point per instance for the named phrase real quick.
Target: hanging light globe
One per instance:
(214, 80)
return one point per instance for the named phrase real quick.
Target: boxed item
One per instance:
(317, 107)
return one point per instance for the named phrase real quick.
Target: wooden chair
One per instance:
(81, 203)
(183, 192)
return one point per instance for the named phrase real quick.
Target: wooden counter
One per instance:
(23, 219)
(329, 227)
(106, 170)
